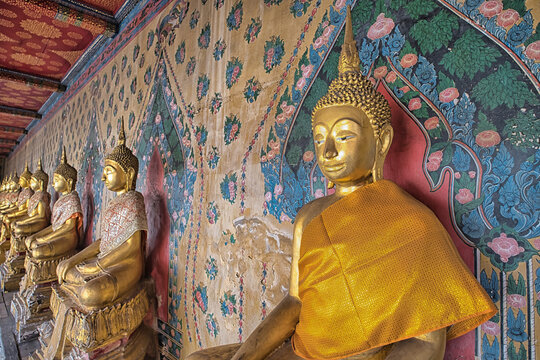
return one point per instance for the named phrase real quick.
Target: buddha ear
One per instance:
(70, 183)
(129, 177)
(385, 139)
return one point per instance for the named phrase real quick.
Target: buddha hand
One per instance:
(63, 267)
(28, 241)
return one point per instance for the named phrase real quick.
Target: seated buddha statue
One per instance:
(374, 274)
(16, 213)
(12, 194)
(100, 288)
(45, 249)
(37, 217)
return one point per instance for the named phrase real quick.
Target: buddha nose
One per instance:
(330, 150)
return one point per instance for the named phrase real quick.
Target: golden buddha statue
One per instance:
(374, 274)
(17, 213)
(45, 249)
(37, 217)
(101, 300)
(10, 200)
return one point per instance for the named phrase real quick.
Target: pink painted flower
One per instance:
(372, 80)
(405, 89)
(285, 218)
(270, 155)
(490, 8)
(408, 60)
(268, 196)
(340, 4)
(431, 123)
(289, 111)
(281, 118)
(507, 18)
(464, 196)
(327, 32)
(308, 156)
(448, 94)
(382, 27)
(436, 156)
(380, 72)
(533, 51)
(415, 104)
(433, 166)
(263, 158)
(300, 83)
(516, 301)
(491, 328)
(472, 174)
(457, 175)
(488, 138)
(318, 193)
(278, 189)
(275, 146)
(391, 77)
(319, 42)
(158, 118)
(537, 243)
(306, 70)
(505, 247)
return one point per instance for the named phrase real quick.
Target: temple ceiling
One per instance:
(41, 43)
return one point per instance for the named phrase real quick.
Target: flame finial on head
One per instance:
(349, 60)
(40, 175)
(353, 88)
(123, 156)
(64, 169)
(26, 174)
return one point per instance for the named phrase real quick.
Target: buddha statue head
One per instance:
(351, 123)
(65, 175)
(121, 166)
(39, 179)
(24, 179)
(14, 182)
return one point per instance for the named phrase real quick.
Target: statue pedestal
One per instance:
(114, 332)
(4, 247)
(12, 271)
(30, 306)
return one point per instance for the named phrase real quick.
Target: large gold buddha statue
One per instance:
(37, 217)
(16, 213)
(101, 300)
(45, 249)
(374, 274)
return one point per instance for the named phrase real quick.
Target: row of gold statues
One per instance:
(87, 304)
(374, 274)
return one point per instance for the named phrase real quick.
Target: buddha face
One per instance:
(345, 144)
(23, 182)
(35, 184)
(114, 176)
(60, 184)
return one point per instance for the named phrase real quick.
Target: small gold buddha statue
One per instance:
(45, 249)
(10, 200)
(101, 298)
(374, 274)
(37, 217)
(17, 213)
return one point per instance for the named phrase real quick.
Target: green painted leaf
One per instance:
(361, 13)
(302, 127)
(503, 87)
(444, 82)
(318, 89)
(293, 155)
(523, 130)
(407, 49)
(394, 4)
(434, 34)
(419, 8)
(483, 124)
(421, 113)
(469, 55)
(518, 5)
(330, 68)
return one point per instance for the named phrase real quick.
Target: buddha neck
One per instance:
(346, 189)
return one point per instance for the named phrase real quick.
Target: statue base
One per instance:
(12, 271)
(4, 247)
(30, 306)
(113, 332)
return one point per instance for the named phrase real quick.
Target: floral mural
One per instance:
(223, 98)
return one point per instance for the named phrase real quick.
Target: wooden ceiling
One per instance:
(40, 42)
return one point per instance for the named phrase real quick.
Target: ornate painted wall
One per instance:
(216, 96)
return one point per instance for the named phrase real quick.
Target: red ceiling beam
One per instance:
(19, 112)
(86, 17)
(32, 80)
(13, 130)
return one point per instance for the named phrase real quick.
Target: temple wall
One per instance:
(216, 96)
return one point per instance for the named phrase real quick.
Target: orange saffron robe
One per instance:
(378, 267)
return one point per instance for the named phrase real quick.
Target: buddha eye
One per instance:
(319, 141)
(345, 137)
